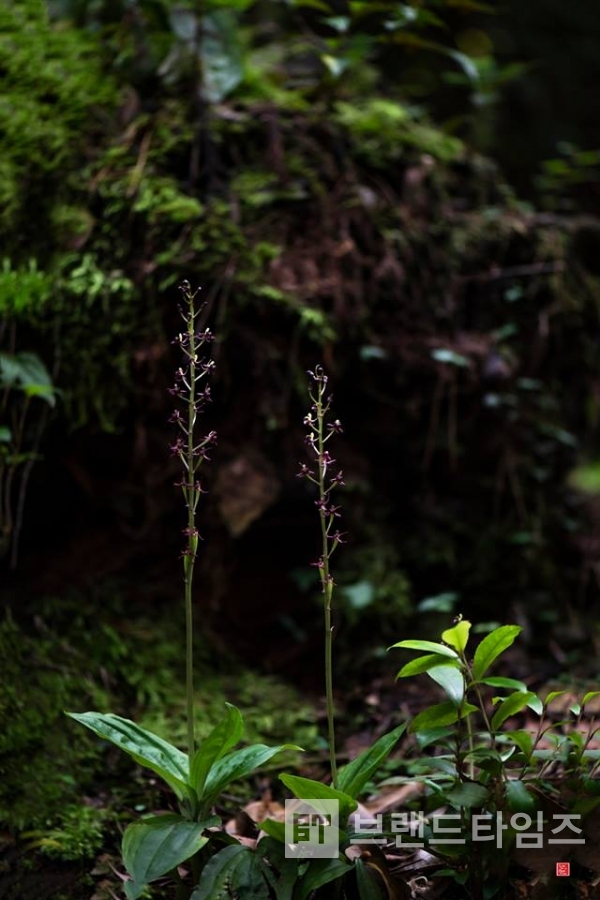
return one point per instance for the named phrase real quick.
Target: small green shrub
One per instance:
(490, 774)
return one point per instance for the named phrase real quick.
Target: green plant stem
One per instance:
(329, 684)
(189, 659)
(192, 536)
(327, 584)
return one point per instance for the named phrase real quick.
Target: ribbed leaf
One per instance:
(222, 738)
(307, 789)
(353, 777)
(320, 872)
(156, 845)
(145, 748)
(237, 765)
(234, 871)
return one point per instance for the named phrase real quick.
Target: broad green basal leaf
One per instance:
(234, 871)
(237, 765)
(353, 777)
(309, 790)
(145, 748)
(222, 738)
(156, 845)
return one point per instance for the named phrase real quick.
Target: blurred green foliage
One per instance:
(315, 167)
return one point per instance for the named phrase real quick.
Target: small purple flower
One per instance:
(178, 447)
(322, 473)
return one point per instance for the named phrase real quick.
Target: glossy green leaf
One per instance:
(451, 680)
(236, 765)
(145, 748)
(510, 683)
(440, 715)
(309, 790)
(524, 741)
(156, 845)
(280, 870)
(491, 647)
(368, 887)
(427, 647)
(518, 797)
(589, 696)
(27, 372)
(424, 663)
(468, 794)
(353, 777)
(221, 55)
(552, 696)
(221, 739)
(458, 636)
(512, 705)
(445, 764)
(438, 736)
(274, 829)
(486, 758)
(234, 871)
(320, 872)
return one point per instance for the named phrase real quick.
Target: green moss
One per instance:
(42, 764)
(52, 90)
(382, 130)
(77, 834)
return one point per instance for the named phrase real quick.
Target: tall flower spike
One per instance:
(321, 472)
(192, 451)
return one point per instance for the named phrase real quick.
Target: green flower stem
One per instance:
(191, 453)
(326, 578)
(189, 559)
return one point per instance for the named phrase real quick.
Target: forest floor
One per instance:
(125, 642)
